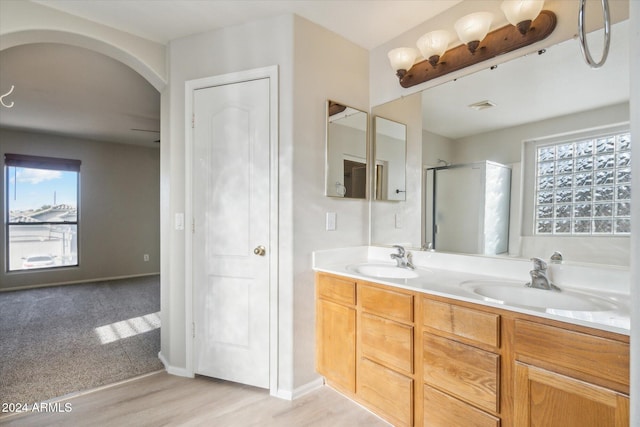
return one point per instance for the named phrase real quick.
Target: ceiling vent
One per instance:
(482, 105)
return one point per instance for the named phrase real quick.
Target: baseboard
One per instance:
(300, 391)
(75, 282)
(174, 370)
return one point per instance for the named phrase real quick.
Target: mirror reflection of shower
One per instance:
(467, 208)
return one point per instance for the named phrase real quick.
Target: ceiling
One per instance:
(367, 23)
(72, 91)
(65, 90)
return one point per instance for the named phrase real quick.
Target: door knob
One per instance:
(260, 250)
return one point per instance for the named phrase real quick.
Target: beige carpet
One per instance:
(60, 340)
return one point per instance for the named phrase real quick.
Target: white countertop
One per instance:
(442, 274)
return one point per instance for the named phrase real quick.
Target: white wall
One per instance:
(326, 66)
(434, 148)
(505, 145)
(119, 218)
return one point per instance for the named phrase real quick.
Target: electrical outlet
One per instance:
(146, 257)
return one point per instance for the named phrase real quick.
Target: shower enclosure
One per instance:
(467, 208)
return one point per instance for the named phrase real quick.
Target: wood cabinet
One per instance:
(336, 331)
(419, 359)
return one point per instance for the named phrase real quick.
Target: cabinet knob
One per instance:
(260, 250)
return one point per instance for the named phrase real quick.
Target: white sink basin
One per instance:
(384, 271)
(511, 293)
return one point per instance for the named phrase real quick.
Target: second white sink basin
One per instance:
(520, 295)
(384, 271)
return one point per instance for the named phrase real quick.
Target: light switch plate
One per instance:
(179, 221)
(399, 223)
(331, 221)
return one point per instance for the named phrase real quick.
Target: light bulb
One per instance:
(402, 59)
(433, 45)
(521, 12)
(472, 28)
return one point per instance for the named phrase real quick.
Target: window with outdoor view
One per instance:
(42, 212)
(583, 187)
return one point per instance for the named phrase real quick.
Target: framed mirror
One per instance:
(390, 153)
(346, 155)
(491, 115)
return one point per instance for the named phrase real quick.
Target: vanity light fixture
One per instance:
(528, 24)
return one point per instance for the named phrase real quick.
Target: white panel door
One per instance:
(231, 232)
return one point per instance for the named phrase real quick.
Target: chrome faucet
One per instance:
(403, 258)
(539, 277)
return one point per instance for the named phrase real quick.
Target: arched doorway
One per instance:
(72, 101)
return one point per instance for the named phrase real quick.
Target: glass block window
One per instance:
(583, 187)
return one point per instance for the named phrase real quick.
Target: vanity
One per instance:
(427, 346)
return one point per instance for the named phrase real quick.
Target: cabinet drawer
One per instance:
(386, 303)
(388, 342)
(388, 392)
(582, 353)
(336, 289)
(464, 322)
(465, 371)
(442, 410)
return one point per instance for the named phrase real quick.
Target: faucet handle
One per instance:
(539, 264)
(556, 258)
(400, 249)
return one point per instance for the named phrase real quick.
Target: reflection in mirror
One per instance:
(536, 97)
(550, 96)
(467, 208)
(346, 161)
(390, 159)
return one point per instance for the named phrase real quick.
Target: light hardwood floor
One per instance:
(165, 400)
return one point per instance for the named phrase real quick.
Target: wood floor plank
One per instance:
(165, 400)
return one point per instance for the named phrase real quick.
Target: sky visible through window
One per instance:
(30, 189)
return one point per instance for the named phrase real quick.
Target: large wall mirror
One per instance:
(346, 155)
(490, 116)
(390, 152)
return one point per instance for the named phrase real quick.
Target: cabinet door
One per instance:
(336, 344)
(547, 399)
